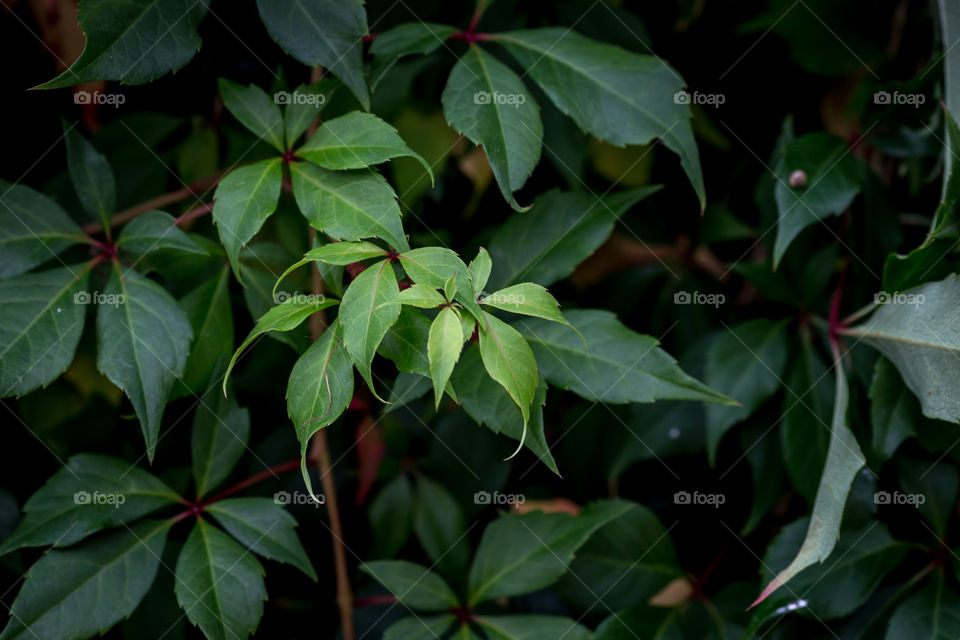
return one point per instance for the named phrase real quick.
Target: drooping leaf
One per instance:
(33, 229)
(134, 42)
(91, 175)
(265, 528)
(618, 96)
(219, 584)
(509, 360)
(210, 314)
(443, 348)
(348, 205)
(413, 585)
(893, 410)
(218, 440)
(242, 203)
(489, 104)
(40, 326)
(441, 527)
(322, 32)
(364, 317)
(155, 231)
(303, 106)
(345, 253)
(92, 492)
(521, 627)
(255, 110)
(143, 341)
(81, 592)
(928, 614)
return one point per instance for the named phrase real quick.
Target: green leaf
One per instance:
(319, 390)
(950, 31)
(421, 296)
(562, 230)
(322, 32)
(40, 326)
(527, 299)
(443, 348)
(219, 584)
(355, 141)
(419, 628)
(747, 363)
(210, 313)
(218, 440)
(844, 460)
(364, 317)
(265, 528)
(919, 332)
(508, 359)
(522, 553)
(84, 497)
(414, 585)
(643, 619)
(303, 105)
(344, 253)
(405, 40)
(618, 96)
(81, 592)
(524, 627)
(479, 269)
(441, 527)
(390, 516)
(406, 342)
(255, 110)
(489, 104)
(283, 317)
(242, 203)
(134, 41)
(893, 411)
(155, 231)
(143, 340)
(832, 182)
(434, 266)
(929, 614)
(618, 365)
(932, 486)
(33, 229)
(91, 175)
(348, 205)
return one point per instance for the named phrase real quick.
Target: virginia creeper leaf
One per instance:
(443, 348)
(154, 231)
(413, 585)
(508, 359)
(303, 106)
(210, 314)
(218, 440)
(91, 175)
(255, 110)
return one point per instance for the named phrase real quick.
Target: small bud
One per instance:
(797, 179)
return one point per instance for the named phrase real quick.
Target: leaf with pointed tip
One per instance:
(526, 299)
(40, 326)
(265, 528)
(134, 41)
(155, 231)
(218, 440)
(219, 584)
(479, 269)
(528, 626)
(433, 266)
(304, 105)
(242, 203)
(407, 39)
(355, 141)
(33, 229)
(69, 507)
(945, 222)
(364, 317)
(489, 104)
(345, 253)
(443, 348)
(508, 359)
(83, 591)
(91, 175)
(441, 527)
(348, 205)
(322, 32)
(210, 314)
(283, 317)
(893, 410)
(421, 296)
(143, 341)
(255, 110)
(618, 96)
(413, 585)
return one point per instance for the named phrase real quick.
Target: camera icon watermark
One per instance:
(497, 498)
(316, 100)
(695, 297)
(98, 297)
(285, 498)
(696, 498)
(502, 298)
(496, 97)
(886, 297)
(99, 97)
(282, 297)
(897, 98)
(898, 498)
(97, 498)
(697, 97)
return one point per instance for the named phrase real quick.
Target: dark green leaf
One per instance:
(33, 229)
(255, 110)
(441, 527)
(524, 627)
(303, 106)
(893, 410)
(390, 516)
(929, 614)
(154, 231)
(414, 585)
(218, 440)
(211, 316)
(91, 175)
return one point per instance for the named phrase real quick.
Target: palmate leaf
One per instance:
(489, 104)
(134, 41)
(618, 96)
(91, 175)
(414, 585)
(255, 110)
(435, 266)
(364, 316)
(40, 326)
(83, 591)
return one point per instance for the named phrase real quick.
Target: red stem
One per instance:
(470, 36)
(834, 323)
(194, 213)
(289, 465)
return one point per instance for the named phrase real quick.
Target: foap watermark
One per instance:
(896, 497)
(99, 97)
(695, 297)
(697, 498)
(698, 97)
(98, 297)
(502, 298)
(296, 97)
(886, 297)
(97, 498)
(897, 97)
(281, 297)
(511, 499)
(486, 97)
(285, 498)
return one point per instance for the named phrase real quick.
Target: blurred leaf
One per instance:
(390, 516)
(218, 440)
(414, 585)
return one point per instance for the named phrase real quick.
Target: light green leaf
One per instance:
(450, 287)
(154, 231)
(40, 326)
(618, 96)
(143, 341)
(219, 584)
(844, 460)
(489, 104)
(527, 299)
(265, 528)
(218, 440)
(929, 614)
(479, 269)
(242, 203)
(303, 105)
(364, 317)
(529, 627)
(84, 497)
(255, 110)
(345, 253)
(414, 585)
(508, 359)
(420, 295)
(33, 229)
(91, 175)
(522, 553)
(134, 41)
(433, 266)
(83, 591)
(322, 32)
(348, 205)
(209, 310)
(443, 349)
